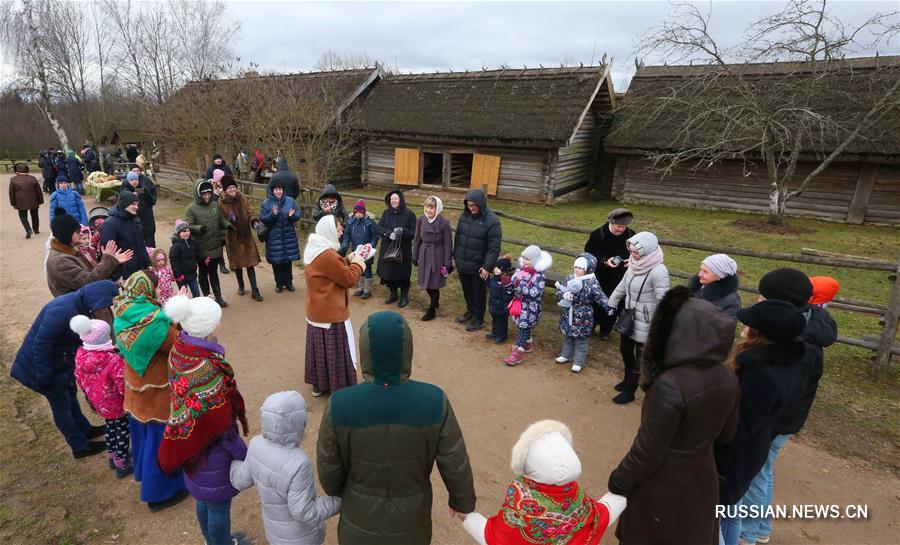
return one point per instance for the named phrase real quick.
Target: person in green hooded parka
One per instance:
(208, 229)
(379, 440)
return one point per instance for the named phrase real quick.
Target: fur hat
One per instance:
(198, 317)
(64, 226)
(181, 225)
(825, 288)
(544, 454)
(620, 216)
(786, 284)
(126, 199)
(721, 265)
(132, 176)
(776, 320)
(94, 333)
(227, 181)
(360, 206)
(644, 243)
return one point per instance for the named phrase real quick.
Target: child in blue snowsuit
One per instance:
(361, 229)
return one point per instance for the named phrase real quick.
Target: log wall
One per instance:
(578, 162)
(730, 185)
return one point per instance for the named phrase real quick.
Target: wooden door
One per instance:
(406, 166)
(485, 172)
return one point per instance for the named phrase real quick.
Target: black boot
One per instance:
(222, 268)
(254, 294)
(240, 280)
(404, 296)
(429, 314)
(219, 299)
(392, 298)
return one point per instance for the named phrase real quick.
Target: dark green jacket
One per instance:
(380, 439)
(199, 215)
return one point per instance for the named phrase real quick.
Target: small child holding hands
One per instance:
(577, 319)
(528, 288)
(500, 290)
(159, 262)
(292, 511)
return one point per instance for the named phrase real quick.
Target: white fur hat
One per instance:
(198, 317)
(544, 454)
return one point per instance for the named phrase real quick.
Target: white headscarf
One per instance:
(325, 238)
(438, 208)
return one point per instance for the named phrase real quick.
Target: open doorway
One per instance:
(460, 169)
(433, 168)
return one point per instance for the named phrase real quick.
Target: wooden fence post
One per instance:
(883, 354)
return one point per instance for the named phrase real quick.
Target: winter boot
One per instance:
(529, 346)
(367, 288)
(404, 296)
(429, 314)
(123, 468)
(359, 288)
(240, 281)
(222, 268)
(254, 294)
(392, 298)
(219, 299)
(516, 356)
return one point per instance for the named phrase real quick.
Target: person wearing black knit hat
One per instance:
(767, 364)
(67, 268)
(123, 227)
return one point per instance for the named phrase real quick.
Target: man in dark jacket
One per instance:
(794, 287)
(287, 178)
(45, 362)
(146, 194)
(131, 154)
(475, 251)
(608, 245)
(379, 440)
(124, 227)
(218, 163)
(91, 161)
(48, 172)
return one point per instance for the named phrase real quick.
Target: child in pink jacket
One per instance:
(100, 373)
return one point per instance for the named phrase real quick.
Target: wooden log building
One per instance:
(861, 185)
(523, 134)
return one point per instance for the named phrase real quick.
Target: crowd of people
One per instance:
(715, 413)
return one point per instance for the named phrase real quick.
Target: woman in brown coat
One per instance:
(669, 476)
(242, 250)
(25, 196)
(433, 252)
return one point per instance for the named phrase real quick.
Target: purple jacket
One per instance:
(212, 481)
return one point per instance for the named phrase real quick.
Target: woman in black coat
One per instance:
(396, 222)
(717, 282)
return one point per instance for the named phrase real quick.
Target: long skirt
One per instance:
(156, 486)
(329, 361)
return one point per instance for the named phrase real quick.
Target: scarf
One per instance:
(325, 238)
(646, 263)
(237, 210)
(535, 513)
(204, 401)
(140, 324)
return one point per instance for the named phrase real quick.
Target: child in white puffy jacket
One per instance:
(283, 475)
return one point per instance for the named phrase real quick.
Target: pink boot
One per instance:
(515, 357)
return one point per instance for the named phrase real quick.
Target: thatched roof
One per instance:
(539, 106)
(663, 101)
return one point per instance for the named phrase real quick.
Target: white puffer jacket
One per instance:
(283, 475)
(656, 287)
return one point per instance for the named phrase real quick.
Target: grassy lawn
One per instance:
(853, 415)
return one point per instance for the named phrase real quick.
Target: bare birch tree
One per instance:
(729, 106)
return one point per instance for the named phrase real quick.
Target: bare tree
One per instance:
(332, 60)
(729, 106)
(203, 36)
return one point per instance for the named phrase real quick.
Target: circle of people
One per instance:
(714, 417)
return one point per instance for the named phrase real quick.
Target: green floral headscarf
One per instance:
(140, 324)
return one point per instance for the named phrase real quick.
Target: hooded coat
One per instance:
(46, 360)
(68, 269)
(146, 201)
(25, 192)
(669, 475)
(126, 230)
(722, 293)
(390, 219)
(207, 223)
(433, 249)
(477, 243)
(282, 245)
(379, 441)
(240, 242)
(69, 200)
(329, 191)
(74, 168)
(293, 513)
(287, 179)
(528, 286)
(579, 322)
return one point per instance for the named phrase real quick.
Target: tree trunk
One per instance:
(777, 202)
(36, 55)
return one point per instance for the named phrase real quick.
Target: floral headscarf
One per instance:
(140, 325)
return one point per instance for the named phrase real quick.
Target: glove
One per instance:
(359, 261)
(415, 262)
(445, 272)
(203, 230)
(393, 236)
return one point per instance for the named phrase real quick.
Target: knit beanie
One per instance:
(721, 265)
(204, 187)
(824, 289)
(644, 243)
(786, 284)
(181, 225)
(581, 263)
(532, 253)
(360, 206)
(504, 264)
(776, 320)
(198, 317)
(64, 226)
(226, 180)
(126, 199)
(132, 176)
(94, 333)
(217, 175)
(61, 177)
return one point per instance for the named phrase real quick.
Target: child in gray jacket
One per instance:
(283, 475)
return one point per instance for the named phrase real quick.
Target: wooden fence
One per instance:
(883, 347)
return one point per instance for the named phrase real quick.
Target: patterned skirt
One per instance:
(329, 362)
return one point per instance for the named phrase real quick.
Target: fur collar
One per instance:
(64, 248)
(715, 291)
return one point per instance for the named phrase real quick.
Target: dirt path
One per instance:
(493, 403)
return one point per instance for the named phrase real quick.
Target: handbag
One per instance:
(393, 253)
(262, 231)
(625, 322)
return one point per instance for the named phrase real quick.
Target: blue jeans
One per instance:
(215, 521)
(192, 285)
(760, 493)
(368, 272)
(730, 528)
(67, 416)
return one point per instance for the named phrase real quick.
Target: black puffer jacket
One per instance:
(184, 257)
(722, 293)
(477, 242)
(603, 245)
(821, 332)
(146, 200)
(126, 230)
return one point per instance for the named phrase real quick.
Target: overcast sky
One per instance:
(289, 36)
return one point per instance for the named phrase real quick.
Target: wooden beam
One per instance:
(865, 183)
